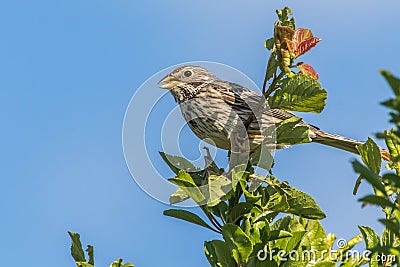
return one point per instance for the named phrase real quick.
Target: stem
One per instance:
(214, 221)
(271, 56)
(265, 80)
(272, 88)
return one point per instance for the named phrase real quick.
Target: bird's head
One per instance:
(186, 75)
(183, 82)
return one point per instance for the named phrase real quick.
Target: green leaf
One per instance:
(298, 224)
(250, 198)
(272, 65)
(289, 132)
(83, 264)
(281, 224)
(299, 93)
(278, 234)
(263, 191)
(177, 163)
(299, 203)
(290, 243)
(264, 232)
(391, 179)
(393, 103)
(238, 211)
(218, 254)
(239, 174)
(266, 216)
(76, 247)
(352, 261)
(269, 43)
(330, 240)
(393, 81)
(257, 232)
(90, 252)
(260, 258)
(316, 239)
(218, 187)
(390, 239)
(369, 175)
(377, 200)
(262, 158)
(371, 155)
(284, 19)
(187, 216)
(371, 238)
(324, 264)
(118, 263)
(277, 203)
(392, 225)
(187, 184)
(393, 144)
(178, 196)
(238, 241)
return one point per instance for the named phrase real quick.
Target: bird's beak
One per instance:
(169, 81)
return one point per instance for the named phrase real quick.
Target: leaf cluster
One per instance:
(288, 89)
(79, 255)
(386, 186)
(250, 220)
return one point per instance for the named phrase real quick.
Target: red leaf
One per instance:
(303, 41)
(307, 70)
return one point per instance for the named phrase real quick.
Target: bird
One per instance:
(224, 113)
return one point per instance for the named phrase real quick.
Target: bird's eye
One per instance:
(187, 73)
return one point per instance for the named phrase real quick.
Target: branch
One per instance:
(265, 80)
(214, 221)
(272, 87)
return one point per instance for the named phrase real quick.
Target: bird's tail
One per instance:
(337, 141)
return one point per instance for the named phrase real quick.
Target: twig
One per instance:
(272, 55)
(214, 221)
(272, 87)
(265, 80)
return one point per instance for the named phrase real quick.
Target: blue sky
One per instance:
(69, 68)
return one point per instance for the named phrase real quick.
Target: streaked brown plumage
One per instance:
(217, 109)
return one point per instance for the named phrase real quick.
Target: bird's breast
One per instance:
(212, 120)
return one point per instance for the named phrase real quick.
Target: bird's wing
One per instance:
(246, 102)
(240, 98)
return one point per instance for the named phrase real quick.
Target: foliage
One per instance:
(386, 186)
(79, 255)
